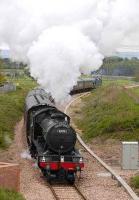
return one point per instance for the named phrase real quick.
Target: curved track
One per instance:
(114, 175)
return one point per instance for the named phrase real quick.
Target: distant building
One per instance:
(4, 53)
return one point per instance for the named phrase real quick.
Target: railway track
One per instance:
(114, 175)
(65, 192)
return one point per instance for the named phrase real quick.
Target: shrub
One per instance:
(2, 79)
(10, 195)
(134, 181)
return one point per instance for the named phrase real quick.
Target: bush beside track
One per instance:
(134, 182)
(10, 195)
(11, 109)
(109, 112)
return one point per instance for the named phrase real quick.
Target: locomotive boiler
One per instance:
(50, 137)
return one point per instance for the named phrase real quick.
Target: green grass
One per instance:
(135, 91)
(109, 112)
(11, 70)
(10, 195)
(11, 110)
(86, 76)
(134, 182)
(121, 82)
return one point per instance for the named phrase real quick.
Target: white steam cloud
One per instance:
(67, 53)
(61, 39)
(26, 155)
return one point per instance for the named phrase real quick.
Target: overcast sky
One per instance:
(130, 43)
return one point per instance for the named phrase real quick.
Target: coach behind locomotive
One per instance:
(86, 84)
(50, 137)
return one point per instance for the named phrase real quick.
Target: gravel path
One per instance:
(131, 86)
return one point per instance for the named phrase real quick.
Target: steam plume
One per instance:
(61, 39)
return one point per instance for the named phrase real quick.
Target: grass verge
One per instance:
(109, 112)
(135, 91)
(120, 82)
(10, 195)
(135, 181)
(11, 109)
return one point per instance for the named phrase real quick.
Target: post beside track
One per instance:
(114, 175)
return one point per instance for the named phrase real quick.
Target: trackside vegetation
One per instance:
(109, 112)
(10, 195)
(2, 79)
(11, 109)
(134, 182)
(135, 91)
(117, 66)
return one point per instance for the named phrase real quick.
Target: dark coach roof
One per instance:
(38, 97)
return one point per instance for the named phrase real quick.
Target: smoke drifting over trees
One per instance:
(61, 39)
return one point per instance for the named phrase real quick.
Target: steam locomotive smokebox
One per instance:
(130, 155)
(60, 137)
(10, 176)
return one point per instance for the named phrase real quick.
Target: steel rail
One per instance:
(55, 194)
(121, 181)
(53, 191)
(79, 192)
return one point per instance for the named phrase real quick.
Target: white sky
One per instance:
(130, 43)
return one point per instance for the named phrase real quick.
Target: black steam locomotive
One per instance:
(50, 137)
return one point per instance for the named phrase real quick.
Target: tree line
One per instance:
(8, 64)
(117, 66)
